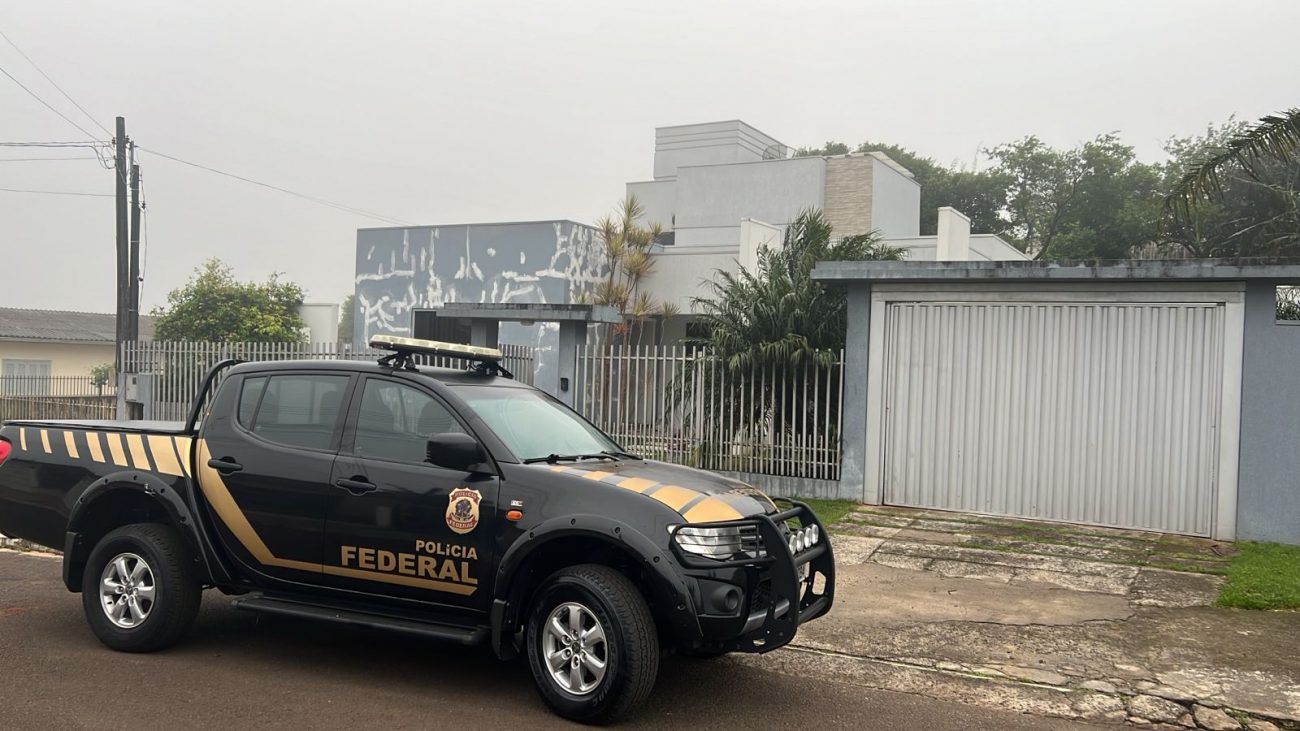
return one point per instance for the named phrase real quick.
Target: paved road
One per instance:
(238, 670)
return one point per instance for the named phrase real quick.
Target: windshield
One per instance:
(532, 424)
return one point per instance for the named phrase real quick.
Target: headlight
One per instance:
(737, 541)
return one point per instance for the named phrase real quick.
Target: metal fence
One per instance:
(55, 397)
(682, 404)
(168, 374)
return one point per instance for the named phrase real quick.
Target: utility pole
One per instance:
(123, 261)
(120, 172)
(133, 312)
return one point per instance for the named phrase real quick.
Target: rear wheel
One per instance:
(592, 644)
(139, 591)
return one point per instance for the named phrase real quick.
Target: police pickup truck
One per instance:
(454, 504)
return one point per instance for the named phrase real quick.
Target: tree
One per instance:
(1235, 191)
(213, 306)
(775, 335)
(626, 245)
(1092, 201)
(347, 319)
(779, 315)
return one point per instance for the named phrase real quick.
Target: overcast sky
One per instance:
(438, 112)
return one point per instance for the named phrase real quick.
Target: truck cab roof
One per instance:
(446, 376)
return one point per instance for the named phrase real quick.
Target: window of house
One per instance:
(296, 410)
(25, 377)
(396, 421)
(1288, 304)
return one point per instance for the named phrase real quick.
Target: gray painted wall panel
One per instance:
(1268, 491)
(1103, 413)
(402, 269)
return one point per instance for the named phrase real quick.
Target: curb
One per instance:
(1007, 693)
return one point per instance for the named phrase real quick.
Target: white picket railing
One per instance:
(681, 404)
(56, 397)
(173, 371)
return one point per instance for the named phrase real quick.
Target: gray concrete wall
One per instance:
(774, 191)
(402, 269)
(1268, 488)
(709, 143)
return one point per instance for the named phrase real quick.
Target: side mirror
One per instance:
(455, 451)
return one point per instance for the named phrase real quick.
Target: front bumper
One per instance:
(778, 594)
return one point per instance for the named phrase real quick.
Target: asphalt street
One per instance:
(238, 670)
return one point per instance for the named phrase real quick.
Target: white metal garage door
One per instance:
(1104, 413)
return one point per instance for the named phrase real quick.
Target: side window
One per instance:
(396, 421)
(298, 410)
(249, 394)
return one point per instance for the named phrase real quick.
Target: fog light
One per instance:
(814, 533)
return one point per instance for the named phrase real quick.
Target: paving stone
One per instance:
(1215, 719)
(1261, 725)
(862, 529)
(964, 570)
(1117, 586)
(1099, 685)
(1100, 707)
(898, 561)
(1015, 560)
(854, 549)
(1159, 710)
(1033, 675)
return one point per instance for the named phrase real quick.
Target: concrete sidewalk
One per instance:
(1059, 621)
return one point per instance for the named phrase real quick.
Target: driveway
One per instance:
(1054, 620)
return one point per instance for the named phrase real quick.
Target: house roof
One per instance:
(1283, 270)
(63, 326)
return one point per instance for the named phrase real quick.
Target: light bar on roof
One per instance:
(433, 347)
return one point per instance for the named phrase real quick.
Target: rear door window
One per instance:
(395, 421)
(296, 410)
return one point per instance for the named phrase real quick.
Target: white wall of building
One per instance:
(65, 359)
(658, 198)
(774, 191)
(895, 201)
(710, 143)
(321, 321)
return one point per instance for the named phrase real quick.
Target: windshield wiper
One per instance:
(553, 458)
(620, 453)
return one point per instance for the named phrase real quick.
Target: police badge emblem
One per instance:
(462, 509)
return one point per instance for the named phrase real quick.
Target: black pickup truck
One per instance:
(454, 504)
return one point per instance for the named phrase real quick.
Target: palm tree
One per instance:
(626, 244)
(773, 333)
(1275, 138)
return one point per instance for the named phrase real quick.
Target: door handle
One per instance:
(356, 486)
(225, 464)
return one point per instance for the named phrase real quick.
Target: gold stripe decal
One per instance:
(70, 440)
(223, 503)
(164, 455)
(45, 441)
(135, 443)
(182, 445)
(22, 438)
(94, 447)
(116, 448)
(674, 497)
(703, 508)
(712, 510)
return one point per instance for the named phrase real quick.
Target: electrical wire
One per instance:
(304, 196)
(45, 159)
(55, 192)
(49, 106)
(54, 84)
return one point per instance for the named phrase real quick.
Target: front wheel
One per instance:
(139, 591)
(592, 644)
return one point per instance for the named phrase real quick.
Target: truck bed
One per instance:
(171, 428)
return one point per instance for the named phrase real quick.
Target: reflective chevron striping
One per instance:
(694, 506)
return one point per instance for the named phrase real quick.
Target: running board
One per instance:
(355, 618)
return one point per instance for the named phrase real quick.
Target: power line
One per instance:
(304, 196)
(54, 84)
(55, 192)
(49, 106)
(42, 159)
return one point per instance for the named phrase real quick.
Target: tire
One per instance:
(148, 619)
(630, 651)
